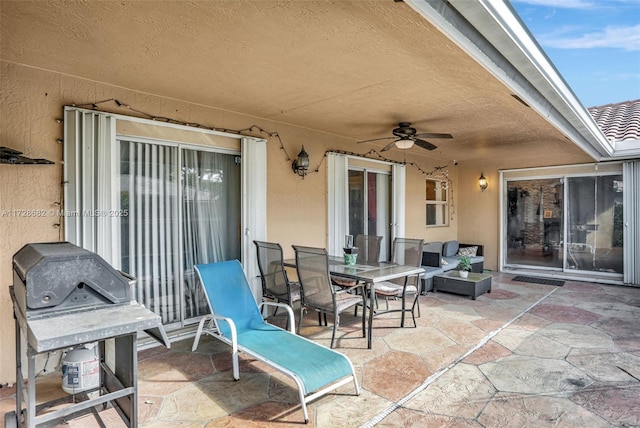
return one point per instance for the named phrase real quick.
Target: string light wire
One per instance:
(438, 172)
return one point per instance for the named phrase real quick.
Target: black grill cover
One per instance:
(62, 275)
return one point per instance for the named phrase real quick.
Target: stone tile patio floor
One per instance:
(524, 355)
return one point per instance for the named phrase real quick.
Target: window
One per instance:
(437, 203)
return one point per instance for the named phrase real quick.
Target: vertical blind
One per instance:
(149, 238)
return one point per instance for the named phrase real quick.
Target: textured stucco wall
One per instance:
(31, 102)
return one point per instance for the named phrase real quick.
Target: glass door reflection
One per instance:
(535, 222)
(369, 206)
(595, 227)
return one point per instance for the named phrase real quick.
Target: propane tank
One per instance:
(80, 370)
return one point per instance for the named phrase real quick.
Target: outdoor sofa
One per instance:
(439, 257)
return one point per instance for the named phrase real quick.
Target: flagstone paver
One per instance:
(525, 355)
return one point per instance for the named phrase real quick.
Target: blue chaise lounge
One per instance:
(237, 319)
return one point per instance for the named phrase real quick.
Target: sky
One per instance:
(594, 44)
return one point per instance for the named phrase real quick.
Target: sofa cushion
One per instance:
(433, 247)
(468, 251)
(430, 271)
(450, 248)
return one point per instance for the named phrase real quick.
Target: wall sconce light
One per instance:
(482, 182)
(301, 164)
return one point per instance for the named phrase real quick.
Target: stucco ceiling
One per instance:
(348, 68)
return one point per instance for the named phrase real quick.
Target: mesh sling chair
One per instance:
(312, 265)
(275, 283)
(314, 368)
(405, 252)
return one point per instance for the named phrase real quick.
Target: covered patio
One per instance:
(523, 355)
(224, 78)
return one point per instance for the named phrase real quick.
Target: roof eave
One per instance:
(492, 33)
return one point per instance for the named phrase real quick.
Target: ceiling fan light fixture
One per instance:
(404, 143)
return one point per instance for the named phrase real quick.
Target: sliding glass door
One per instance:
(210, 217)
(369, 201)
(569, 223)
(183, 208)
(595, 227)
(535, 222)
(160, 202)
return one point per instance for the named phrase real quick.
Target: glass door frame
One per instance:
(542, 213)
(337, 210)
(178, 232)
(569, 226)
(564, 173)
(385, 251)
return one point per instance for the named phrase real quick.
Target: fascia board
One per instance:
(628, 149)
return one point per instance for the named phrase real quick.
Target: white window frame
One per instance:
(442, 217)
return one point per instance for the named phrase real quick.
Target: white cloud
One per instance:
(618, 77)
(562, 4)
(626, 38)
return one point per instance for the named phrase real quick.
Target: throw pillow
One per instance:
(468, 251)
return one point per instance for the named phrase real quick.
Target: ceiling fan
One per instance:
(406, 136)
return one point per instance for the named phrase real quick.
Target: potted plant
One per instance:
(464, 266)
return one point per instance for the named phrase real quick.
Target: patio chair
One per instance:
(314, 368)
(275, 283)
(408, 252)
(368, 252)
(312, 265)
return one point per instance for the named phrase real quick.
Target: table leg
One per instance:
(372, 293)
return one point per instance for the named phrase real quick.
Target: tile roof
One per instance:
(619, 121)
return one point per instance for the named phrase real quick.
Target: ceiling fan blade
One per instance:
(425, 144)
(375, 139)
(432, 135)
(388, 146)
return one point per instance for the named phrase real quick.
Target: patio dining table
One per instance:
(370, 274)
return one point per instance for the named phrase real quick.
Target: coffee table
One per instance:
(474, 285)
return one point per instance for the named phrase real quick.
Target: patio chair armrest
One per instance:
(292, 319)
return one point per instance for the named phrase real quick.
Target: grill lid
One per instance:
(61, 273)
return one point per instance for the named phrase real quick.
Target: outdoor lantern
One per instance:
(482, 182)
(301, 164)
